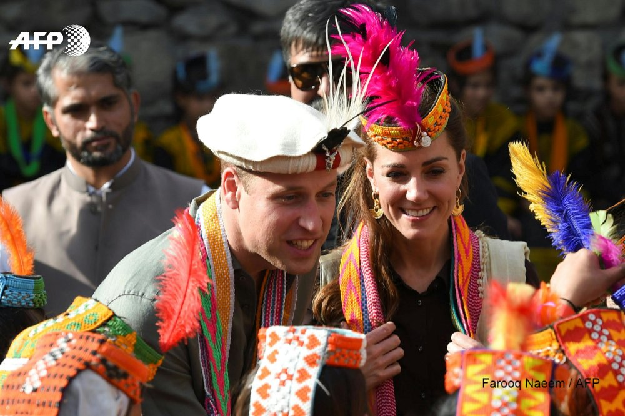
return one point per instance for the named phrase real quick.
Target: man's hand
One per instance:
(580, 279)
(460, 342)
(383, 352)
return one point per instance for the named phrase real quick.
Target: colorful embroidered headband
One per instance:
(290, 361)
(38, 386)
(86, 315)
(422, 134)
(22, 291)
(19, 287)
(482, 55)
(394, 83)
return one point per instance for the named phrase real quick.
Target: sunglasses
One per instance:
(307, 76)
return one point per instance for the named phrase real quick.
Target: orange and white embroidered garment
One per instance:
(290, 361)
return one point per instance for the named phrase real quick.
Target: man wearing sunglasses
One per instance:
(303, 39)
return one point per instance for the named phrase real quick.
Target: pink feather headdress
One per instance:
(393, 81)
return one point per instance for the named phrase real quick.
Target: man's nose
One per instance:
(95, 120)
(311, 217)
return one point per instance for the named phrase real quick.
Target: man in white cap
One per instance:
(231, 262)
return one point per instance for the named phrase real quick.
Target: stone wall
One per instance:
(158, 32)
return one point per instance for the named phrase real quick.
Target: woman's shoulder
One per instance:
(505, 259)
(494, 244)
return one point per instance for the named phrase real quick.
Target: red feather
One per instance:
(397, 82)
(179, 305)
(12, 237)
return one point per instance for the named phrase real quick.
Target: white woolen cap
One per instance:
(271, 133)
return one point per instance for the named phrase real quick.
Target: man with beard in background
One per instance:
(105, 202)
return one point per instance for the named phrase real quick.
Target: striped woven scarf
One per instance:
(361, 301)
(276, 305)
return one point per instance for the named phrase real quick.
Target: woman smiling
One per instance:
(412, 258)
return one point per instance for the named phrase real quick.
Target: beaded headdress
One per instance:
(39, 385)
(471, 56)
(84, 315)
(290, 361)
(394, 83)
(18, 286)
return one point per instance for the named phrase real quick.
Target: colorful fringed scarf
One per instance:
(361, 302)
(275, 308)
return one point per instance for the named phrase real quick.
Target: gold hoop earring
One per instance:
(459, 208)
(376, 211)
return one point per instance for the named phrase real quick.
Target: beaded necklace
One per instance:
(28, 162)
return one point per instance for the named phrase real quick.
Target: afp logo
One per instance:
(77, 37)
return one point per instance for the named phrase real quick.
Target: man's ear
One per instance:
(231, 187)
(48, 117)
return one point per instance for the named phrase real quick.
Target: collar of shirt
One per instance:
(92, 190)
(444, 276)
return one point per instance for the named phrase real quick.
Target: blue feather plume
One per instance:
(568, 214)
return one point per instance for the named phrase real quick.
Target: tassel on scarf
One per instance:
(511, 315)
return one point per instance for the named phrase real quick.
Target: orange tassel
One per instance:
(179, 305)
(12, 237)
(511, 315)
